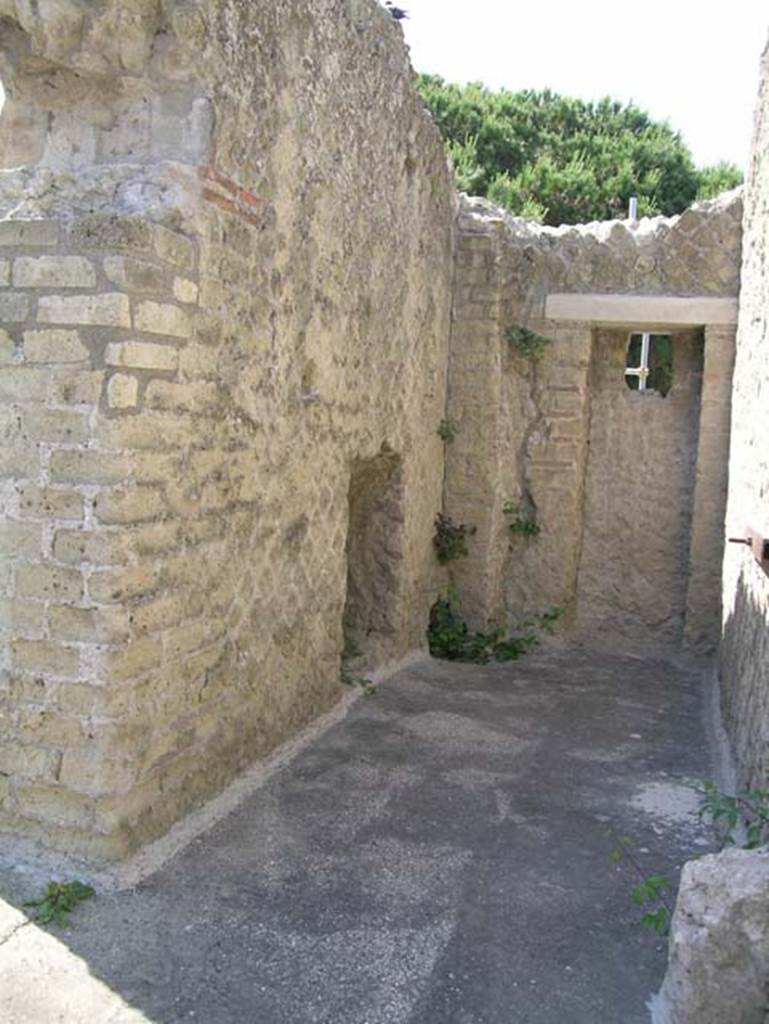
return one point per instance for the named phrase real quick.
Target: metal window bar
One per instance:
(642, 371)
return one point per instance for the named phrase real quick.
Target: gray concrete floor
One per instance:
(438, 857)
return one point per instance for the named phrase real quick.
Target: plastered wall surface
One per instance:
(525, 425)
(225, 266)
(744, 655)
(639, 492)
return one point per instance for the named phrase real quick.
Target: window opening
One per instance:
(649, 363)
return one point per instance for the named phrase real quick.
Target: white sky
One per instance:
(692, 63)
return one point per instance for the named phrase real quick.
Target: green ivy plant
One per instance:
(450, 638)
(522, 519)
(527, 344)
(450, 540)
(747, 811)
(59, 900)
(447, 430)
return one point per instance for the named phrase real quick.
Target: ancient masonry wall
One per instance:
(530, 430)
(744, 655)
(225, 272)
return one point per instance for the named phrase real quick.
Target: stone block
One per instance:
(158, 538)
(88, 625)
(141, 355)
(14, 308)
(19, 539)
(49, 502)
(196, 396)
(150, 431)
(7, 349)
(28, 762)
(133, 659)
(54, 805)
(122, 391)
(108, 310)
(56, 426)
(53, 272)
(19, 461)
(129, 506)
(45, 656)
(54, 346)
(160, 614)
(76, 387)
(134, 275)
(21, 618)
(91, 772)
(718, 962)
(29, 233)
(46, 582)
(23, 384)
(174, 248)
(88, 466)
(112, 586)
(96, 547)
(185, 291)
(47, 727)
(161, 318)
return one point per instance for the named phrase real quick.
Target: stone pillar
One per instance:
(473, 460)
(703, 597)
(556, 460)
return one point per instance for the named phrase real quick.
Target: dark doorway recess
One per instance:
(372, 610)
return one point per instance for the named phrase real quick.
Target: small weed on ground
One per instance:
(59, 900)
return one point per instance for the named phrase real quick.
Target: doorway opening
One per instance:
(372, 613)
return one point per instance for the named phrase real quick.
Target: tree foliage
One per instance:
(563, 161)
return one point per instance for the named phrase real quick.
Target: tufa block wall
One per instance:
(225, 270)
(744, 654)
(526, 428)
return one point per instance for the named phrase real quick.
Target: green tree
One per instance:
(563, 161)
(718, 178)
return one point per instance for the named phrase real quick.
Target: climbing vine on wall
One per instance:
(527, 344)
(521, 519)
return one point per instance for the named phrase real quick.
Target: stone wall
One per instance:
(745, 647)
(639, 493)
(529, 430)
(226, 266)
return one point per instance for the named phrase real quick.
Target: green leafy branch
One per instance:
(527, 343)
(747, 810)
(522, 519)
(651, 890)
